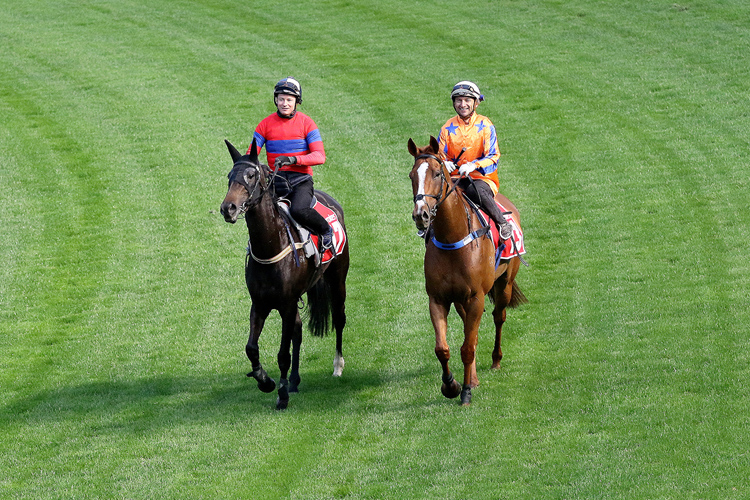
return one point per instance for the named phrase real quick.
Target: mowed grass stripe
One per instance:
(60, 219)
(605, 390)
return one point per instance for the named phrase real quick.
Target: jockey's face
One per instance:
(464, 106)
(285, 104)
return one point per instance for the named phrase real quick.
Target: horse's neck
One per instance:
(266, 228)
(450, 223)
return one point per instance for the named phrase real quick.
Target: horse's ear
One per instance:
(254, 152)
(434, 145)
(412, 148)
(236, 155)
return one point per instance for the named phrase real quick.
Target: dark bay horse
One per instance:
(278, 274)
(461, 276)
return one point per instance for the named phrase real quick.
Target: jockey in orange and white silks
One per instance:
(468, 145)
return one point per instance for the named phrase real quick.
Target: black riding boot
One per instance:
(301, 196)
(326, 240)
(506, 230)
(481, 194)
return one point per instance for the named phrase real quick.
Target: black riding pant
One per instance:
(480, 193)
(298, 189)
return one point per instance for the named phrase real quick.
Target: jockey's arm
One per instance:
(316, 156)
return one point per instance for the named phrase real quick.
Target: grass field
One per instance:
(624, 129)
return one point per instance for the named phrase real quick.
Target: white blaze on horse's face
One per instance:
(422, 213)
(422, 175)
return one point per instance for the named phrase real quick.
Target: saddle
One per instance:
(308, 245)
(488, 229)
(309, 241)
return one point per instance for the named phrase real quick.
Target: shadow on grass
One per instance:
(151, 402)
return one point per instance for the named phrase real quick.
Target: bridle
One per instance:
(443, 196)
(240, 179)
(440, 198)
(240, 167)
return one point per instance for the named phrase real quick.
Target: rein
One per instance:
(484, 230)
(246, 206)
(473, 235)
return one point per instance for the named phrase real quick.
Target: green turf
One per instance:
(123, 315)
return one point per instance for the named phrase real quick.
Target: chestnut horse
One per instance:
(461, 276)
(278, 274)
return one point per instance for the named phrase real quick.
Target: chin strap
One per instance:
(287, 117)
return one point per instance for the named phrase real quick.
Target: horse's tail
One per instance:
(516, 296)
(319, 308)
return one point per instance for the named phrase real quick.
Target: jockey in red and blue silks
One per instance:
(468, 145)
(293, 146)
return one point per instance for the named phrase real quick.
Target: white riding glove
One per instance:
(467, 168)
(450, 166)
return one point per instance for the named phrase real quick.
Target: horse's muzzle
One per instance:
(229, 211)
(421, 216)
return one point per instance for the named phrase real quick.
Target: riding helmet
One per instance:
(468, 89)
(288, 86)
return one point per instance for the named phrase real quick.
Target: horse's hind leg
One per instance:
(338, 317)
(502, 290)
(334, 281)
(294, 378)
(257, 320)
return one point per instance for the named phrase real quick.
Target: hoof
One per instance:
(496, 358)
(267, 385)
(466, 396)
(294, 383)
(283, 400)
(450, 388)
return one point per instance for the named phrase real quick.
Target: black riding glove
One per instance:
(282, 161)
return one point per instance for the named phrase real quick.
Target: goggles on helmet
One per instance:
(288, 86)
(467, 89)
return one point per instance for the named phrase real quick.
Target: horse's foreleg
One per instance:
(471, 314)
(291, 327)
(439, 316)
(257, 320)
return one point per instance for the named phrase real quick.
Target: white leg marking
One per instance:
(338, 365)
